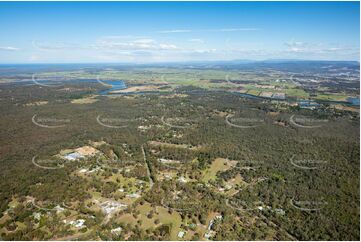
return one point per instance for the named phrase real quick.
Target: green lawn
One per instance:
(296, 93)
(332, 97)
(163, 216)
(218, 164)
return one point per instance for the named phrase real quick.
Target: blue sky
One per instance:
(143, 32)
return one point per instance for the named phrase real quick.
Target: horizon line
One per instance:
(178, 62)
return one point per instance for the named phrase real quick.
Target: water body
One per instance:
(354, 101)
(110, 85)
(115, 85)
(250, 96)
(259, 98)
(308, 104)
(119, 85)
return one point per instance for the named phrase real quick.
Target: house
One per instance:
(59, 209)
(76, 223)
(209, 234)
(218, 217)
(181, 234)
(279, 95)
(109, 207)
(308, 105)
(73, 156)
(280, 211)
(228, 186)
(116, 231)
(182, 179)
(37, 216)
(81, 152)
(133, 195)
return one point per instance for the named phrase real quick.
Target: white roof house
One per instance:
(117, 230)
(181, 234)
(76, 223)
(73, 156)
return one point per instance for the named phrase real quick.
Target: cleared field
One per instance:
(333, 97)
(138, 89)
(253, 92)
(300, 93)
(85, 100)
(39, 103)
(219, 164)
(160, 214)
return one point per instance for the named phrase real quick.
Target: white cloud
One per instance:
(299, 47)
(236, 29)
(199, 41)
(207, 30)
(108, 43)
(174, 31)
(168, 46)
(147, 49)
(124, 37)
(34, 58)
(135, 44)
(8, 48)
(56, 46)
(144, 41)
(205, 51)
